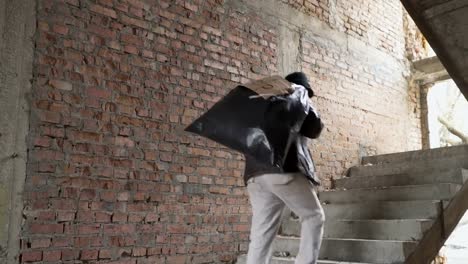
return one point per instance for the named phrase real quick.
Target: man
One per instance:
(271, 188)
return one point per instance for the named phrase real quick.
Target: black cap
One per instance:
(301, 79)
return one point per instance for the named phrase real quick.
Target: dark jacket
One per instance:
(298, 158)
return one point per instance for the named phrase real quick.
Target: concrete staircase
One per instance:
(394, 208)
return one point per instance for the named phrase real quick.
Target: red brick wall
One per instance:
(112, 177)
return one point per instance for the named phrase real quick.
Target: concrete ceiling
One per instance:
(444, 23)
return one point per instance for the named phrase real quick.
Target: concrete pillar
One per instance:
(289, 49)
(17, 29)
(425, 139)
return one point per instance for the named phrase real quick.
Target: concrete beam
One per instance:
(17, 29)
(430, 70)
(429, 65)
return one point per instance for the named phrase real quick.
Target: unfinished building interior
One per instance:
(95, 166)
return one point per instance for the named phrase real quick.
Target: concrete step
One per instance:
(430, 154)
(357, 250)
(457, 176)
(443, 191)
(425, 209)
(417, 166)
(242, 259)
(405, 230)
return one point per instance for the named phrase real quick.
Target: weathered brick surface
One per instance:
(366, 105)
(378, 23)
(112, 177)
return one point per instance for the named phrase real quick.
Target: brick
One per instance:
(139, 207)
(62, 85)
(73, 2)
(139, 252)
(214, 64)
(131, 49)
(177, 229)
(53, 132)
(108, 196)
(131, 39)
(89, 229)
(31, 256)
(176, 259)
(54, 255)
(124, 196)
(60, 29)
(65, 216)
(49, 117)
(70, 254)
(46, 216)
(103, 11)
(121, 241)
(46, 228)
(88, 194)
(82, 242)
(40, 243)
(102, 217)
(105, 254)
(48, 155)
(136, 218)
(212, 30)
(101, 31)
(119, 228)
(135, 22)
(108, 3)
(154, 251)
(89, 254)
(139, 4)
(136, 11)
(61, 242)
(81, 136)
(142, 112)
(100, 93)
(152, 217)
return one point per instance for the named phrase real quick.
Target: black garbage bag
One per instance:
(260, 125)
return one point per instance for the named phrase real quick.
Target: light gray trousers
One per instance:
(269, 193)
